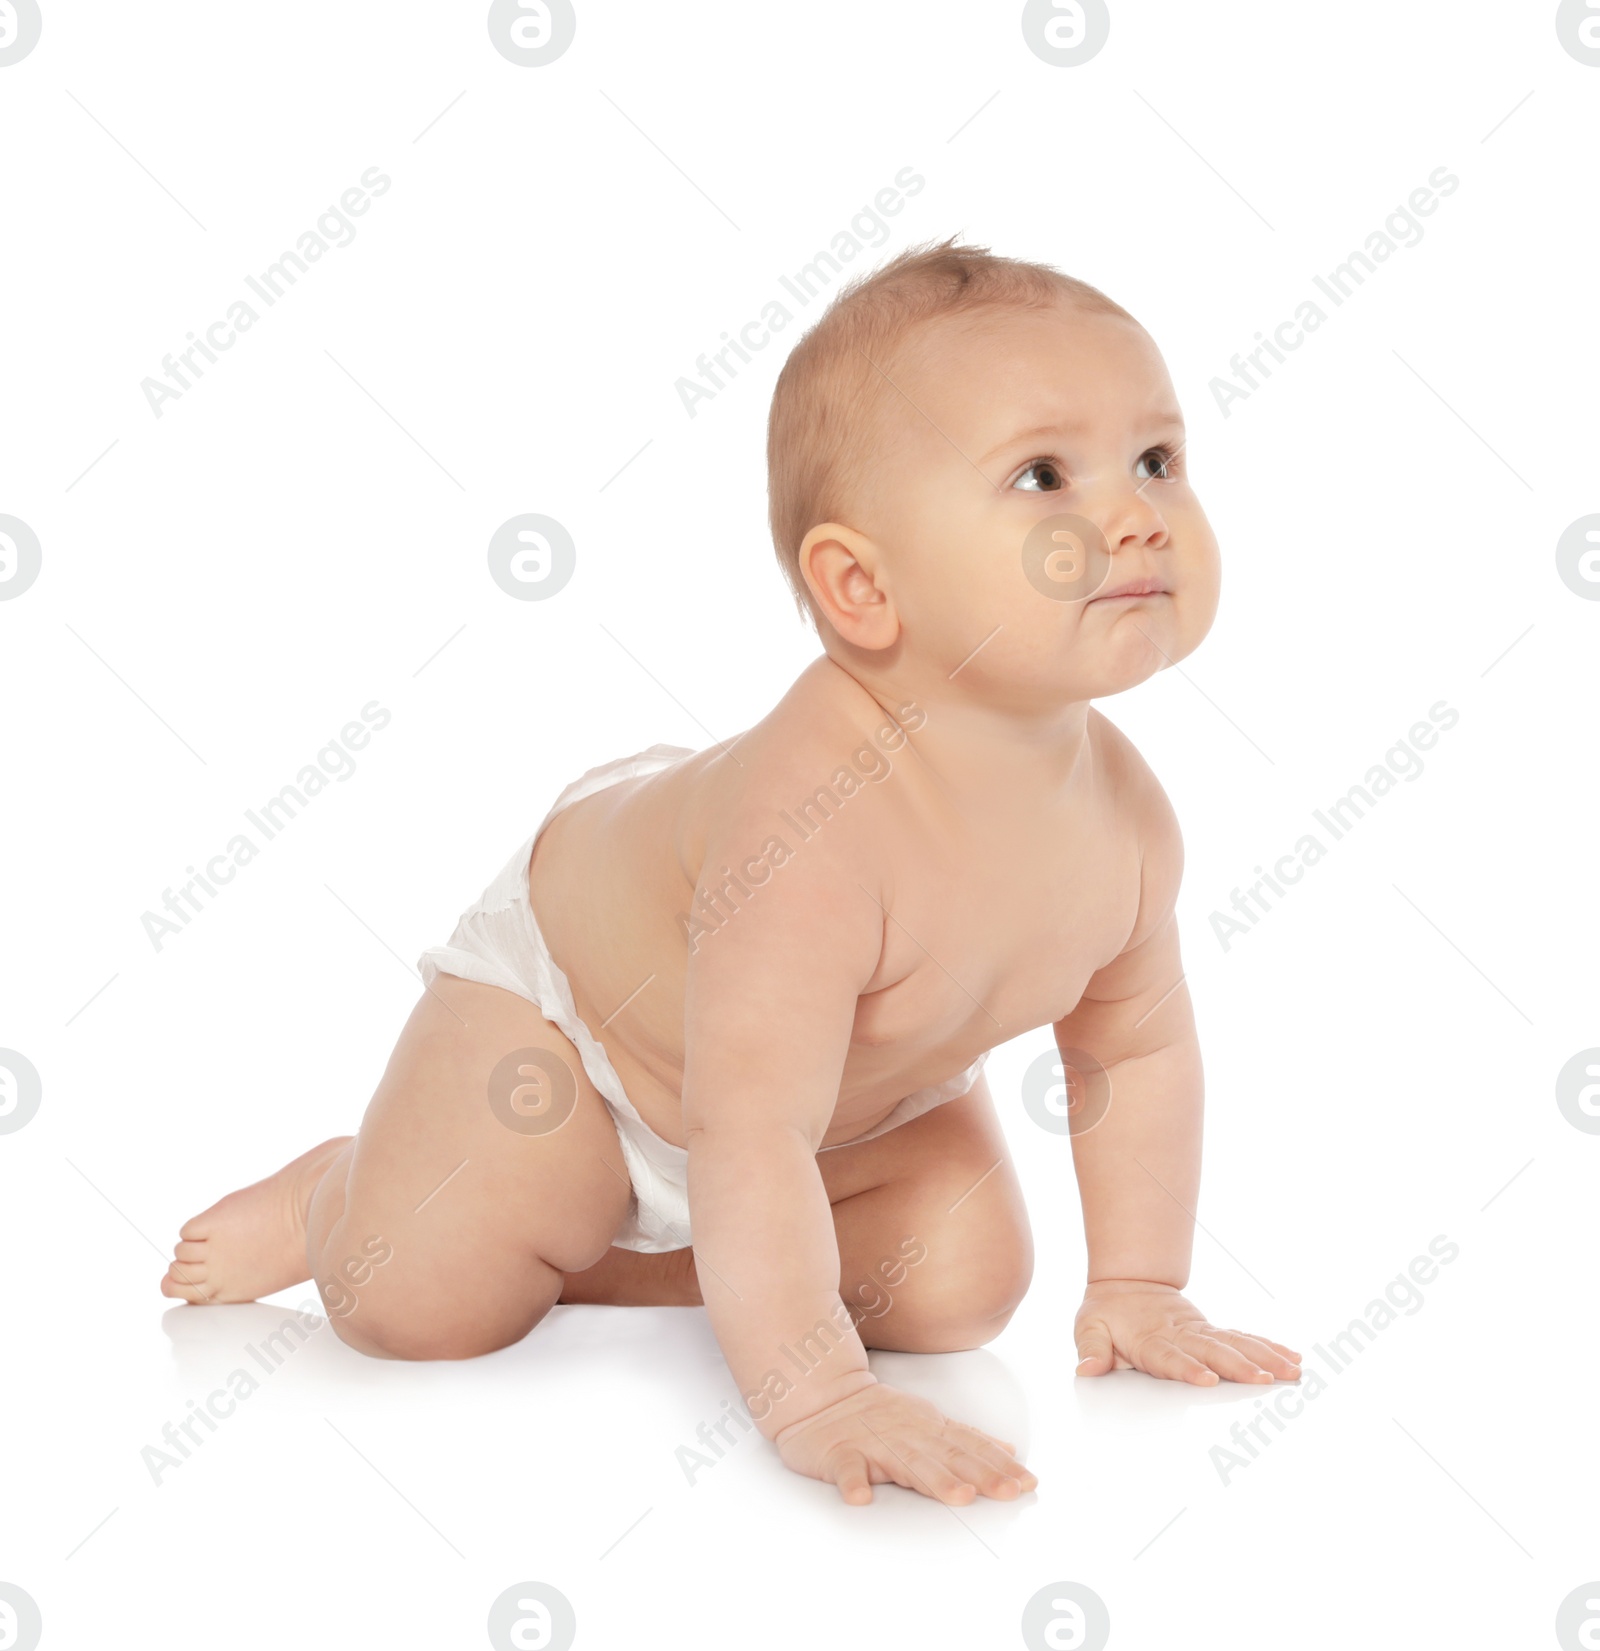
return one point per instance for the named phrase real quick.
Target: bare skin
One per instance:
(995, 857)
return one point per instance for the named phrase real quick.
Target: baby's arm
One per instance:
(1138, 1164)
(769, 1007)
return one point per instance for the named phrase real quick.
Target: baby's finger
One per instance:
(1096, 1354)
(1278, 1347)
(1227, 1361)
(925, 1472)
(1266, 1353)
(1160, 1357)
(991, 1451)
(1266, 1341)
(985, 1476)
(851, 1476)
(1003, 1444)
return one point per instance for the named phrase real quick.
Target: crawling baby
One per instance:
(715, 1034)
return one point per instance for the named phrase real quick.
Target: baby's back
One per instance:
(993, 904)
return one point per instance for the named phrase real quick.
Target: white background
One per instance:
(304, 531)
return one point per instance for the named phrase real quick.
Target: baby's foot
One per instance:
(252, 1242)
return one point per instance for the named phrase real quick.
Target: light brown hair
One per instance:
(830, 401)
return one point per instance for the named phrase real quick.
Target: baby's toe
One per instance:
(185, 1283)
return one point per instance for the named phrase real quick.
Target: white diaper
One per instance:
(497, 942)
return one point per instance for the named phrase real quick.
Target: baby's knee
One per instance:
(400, 1334)
(401, 1317)
(973, 1318)
(958, 1308)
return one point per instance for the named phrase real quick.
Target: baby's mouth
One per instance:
(1133, 590)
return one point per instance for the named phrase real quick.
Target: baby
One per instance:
(715, 1034)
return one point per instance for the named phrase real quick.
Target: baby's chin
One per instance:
(1131, 652)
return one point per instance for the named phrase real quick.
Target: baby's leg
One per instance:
(446, 1226)
(935, 1251)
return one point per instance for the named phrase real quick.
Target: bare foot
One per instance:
(252, 1242)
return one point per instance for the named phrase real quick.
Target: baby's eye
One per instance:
(1049, 470)
(1164, 469)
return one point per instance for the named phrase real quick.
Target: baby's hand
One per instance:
(1128, 1323)
(880, 1435)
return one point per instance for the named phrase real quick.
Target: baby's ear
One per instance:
(843, 571)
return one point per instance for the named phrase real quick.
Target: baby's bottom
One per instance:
(440, 1232)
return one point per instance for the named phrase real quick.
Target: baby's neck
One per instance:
(982, 753)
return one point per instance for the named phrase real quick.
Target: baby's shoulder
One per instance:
(806, 778)
(1142, 811)
(787, 820)
(1135, 793)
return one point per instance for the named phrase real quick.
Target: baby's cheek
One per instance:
(1200, 565)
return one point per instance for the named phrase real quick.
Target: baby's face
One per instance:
(1036, 468)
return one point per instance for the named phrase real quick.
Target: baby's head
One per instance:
(975, 453)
